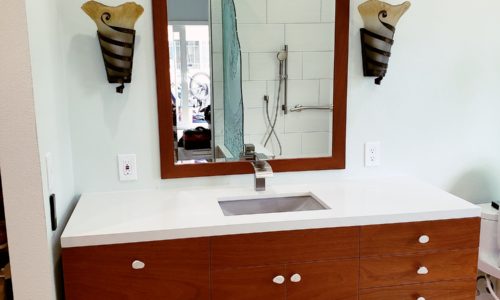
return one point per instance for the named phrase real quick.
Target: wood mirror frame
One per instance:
(169, 169)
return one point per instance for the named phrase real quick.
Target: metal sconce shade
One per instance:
(380, 20)
(116, 36)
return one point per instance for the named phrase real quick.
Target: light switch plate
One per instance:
(49, 171)
(373, 154)
(127, 167)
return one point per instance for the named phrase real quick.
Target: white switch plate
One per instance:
(373, 154)
(49, 169)
(127, 167)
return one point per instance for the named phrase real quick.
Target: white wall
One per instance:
(29, 241)
(264, 28)
(435, 112)
(52, 116)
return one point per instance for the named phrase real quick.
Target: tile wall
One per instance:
(265, 26)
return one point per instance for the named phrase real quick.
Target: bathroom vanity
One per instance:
(377, 239)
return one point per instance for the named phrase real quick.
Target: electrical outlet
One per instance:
(373, 154)
(127, 167)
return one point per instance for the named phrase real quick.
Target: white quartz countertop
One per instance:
(152, 215)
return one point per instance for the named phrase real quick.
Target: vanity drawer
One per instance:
(449, 290)
(177, 270)
(421, 236)
(399, 270)
(284, 247)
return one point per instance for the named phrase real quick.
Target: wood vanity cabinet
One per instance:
(412, 261)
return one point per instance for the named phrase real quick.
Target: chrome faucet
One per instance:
(263, 170)
(260, 165)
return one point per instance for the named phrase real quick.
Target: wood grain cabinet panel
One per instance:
(400, 270)
(174, 270)
(335, 280)
(404, 238)
(249, 284)
(284, 247)
(450, 290)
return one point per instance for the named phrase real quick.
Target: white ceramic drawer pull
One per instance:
(423, 271)
(138, 265)
(420, 298)
(279, 279)
(424, 239)
(296, 278)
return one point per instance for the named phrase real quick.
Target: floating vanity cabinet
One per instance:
(424, 260)
(174, 270)
(295, 265)
(409, 261)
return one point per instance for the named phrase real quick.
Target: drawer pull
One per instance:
(420, 298)
(424, 239)
(423, 271)
(296, 278)
(279, 279)
(138, 265)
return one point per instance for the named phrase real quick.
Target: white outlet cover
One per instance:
(373, 154)
(127, 167)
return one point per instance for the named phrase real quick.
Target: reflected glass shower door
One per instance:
(233, 95)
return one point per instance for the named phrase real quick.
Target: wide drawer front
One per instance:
(177, 270)
(419, 237)
(284, 247)
(450, 290)
(399, 270)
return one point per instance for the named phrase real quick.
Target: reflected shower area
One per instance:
(247, 74)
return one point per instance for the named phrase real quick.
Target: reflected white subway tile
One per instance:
(217, 38)
(296, 11)
(308, 121)
(256, 122)
(303, 92)
(217, 65)
(292, 145)
(251, 11)
(316, 144)
(318, 65)
(245, 66)
(263, 66)
(295, 65)
(218, 122)
(310, 37)
(218, 102)
(253, 93)
(261, 37)
(326, 92)
(216, 7)
(328, 11)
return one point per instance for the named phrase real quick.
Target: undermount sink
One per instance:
(268, 205)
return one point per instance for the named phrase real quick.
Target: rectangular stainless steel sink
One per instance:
(268, 205)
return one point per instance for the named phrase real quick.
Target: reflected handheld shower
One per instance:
(283, 78)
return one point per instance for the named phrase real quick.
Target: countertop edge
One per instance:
(305, 224)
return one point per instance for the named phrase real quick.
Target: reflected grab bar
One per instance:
(299, 108)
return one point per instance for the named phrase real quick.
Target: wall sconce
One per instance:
(115, 30)
(380, 20)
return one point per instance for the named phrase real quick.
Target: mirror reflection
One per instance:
(251, 75)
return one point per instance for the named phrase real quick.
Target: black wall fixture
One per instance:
(116, 34)
(377, 37)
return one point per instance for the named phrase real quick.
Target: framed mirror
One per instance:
(239, 80)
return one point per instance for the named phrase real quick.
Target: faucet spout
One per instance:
(263, 170)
